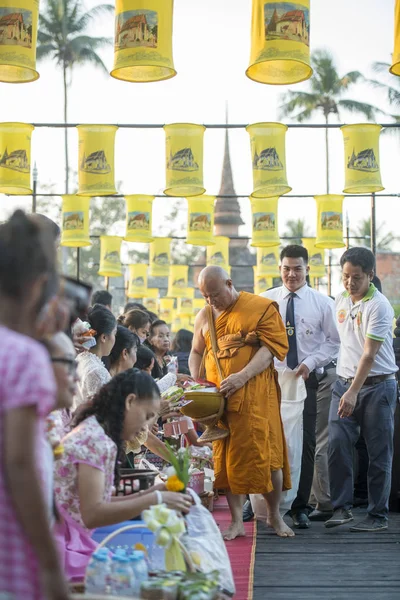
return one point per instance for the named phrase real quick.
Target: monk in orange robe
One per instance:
(250, 333)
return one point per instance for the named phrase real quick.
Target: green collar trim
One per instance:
(368, 295)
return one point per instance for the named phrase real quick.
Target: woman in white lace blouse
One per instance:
(91, 371)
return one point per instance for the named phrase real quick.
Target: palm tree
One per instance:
(296, 230)
(363, 232)
(327, 88)
(391, 85)
(62, 37)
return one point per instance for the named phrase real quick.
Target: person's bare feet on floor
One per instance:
(280, 527)
(234, 530)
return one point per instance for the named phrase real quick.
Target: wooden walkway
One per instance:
(329, 564)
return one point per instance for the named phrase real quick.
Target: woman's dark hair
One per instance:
(158, 372)
(294, 251)
(152, 316)
(144, 357)
(133, 305)
(108, 405)
(124, 340)
(54, 229)
(101, 320)
(102, 297)
(183, 341)
(135, 318)
(155, 324)
(377, 283)
(27, 251)
(359, 257)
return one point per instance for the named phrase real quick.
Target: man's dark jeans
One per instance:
(374, 418)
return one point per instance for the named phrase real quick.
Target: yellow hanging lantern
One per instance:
(137, 287)
(75, 221)
(184, 159)
(280, 42)
(176, 322)
(151, 300)
(329, 221)
(178, 281)
(198, 305)
(200, 227)
(166, 309)
(268, 153)
(110, 256)
(139, 218)
(18, 35)
(160, 257)
(395, 68)
(96, 160)
(265, 222)
(185, 304)
(268, 261)
(262, 283)
(143, 40)
(15, 156)
(185, 323)
(218, 254)
(316, 258)
(361, 155)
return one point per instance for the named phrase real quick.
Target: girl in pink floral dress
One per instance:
(88, 469)
(29, 568)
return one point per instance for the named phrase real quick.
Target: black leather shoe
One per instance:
(248, 514)
(300, 520)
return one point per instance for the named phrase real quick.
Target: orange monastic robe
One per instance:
(256, 445)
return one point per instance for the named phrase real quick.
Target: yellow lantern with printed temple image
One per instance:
(143, 40)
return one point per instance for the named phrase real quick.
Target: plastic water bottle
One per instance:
(122, 575)
(140, 570)
(98, 573)
(173, 365)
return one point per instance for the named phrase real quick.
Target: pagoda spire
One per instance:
(227, 210)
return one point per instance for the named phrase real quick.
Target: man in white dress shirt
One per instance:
(313, 343)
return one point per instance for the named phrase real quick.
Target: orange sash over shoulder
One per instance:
(256, 445)
(241, 330)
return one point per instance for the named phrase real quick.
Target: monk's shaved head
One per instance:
(213, 273)
(216, 286)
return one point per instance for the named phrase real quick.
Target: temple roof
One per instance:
(227, 210)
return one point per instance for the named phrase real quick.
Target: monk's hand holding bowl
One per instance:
(232, 384)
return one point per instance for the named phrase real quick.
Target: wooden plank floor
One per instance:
(328, 564)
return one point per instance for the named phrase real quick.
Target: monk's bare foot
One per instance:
(281, 529)
(235, 530)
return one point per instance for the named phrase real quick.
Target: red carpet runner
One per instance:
(241, 551)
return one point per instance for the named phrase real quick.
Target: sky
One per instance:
(211, 52)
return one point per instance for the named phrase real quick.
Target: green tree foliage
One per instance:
(391, 85)
(327, 88)
(296, 230)
(63, 38)
(363, 232)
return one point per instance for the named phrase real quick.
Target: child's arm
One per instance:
(20, 430)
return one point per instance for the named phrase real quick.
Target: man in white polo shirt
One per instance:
(364, 396)
(313, 343)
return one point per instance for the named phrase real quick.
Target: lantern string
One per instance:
(207, 125)
(51, 195)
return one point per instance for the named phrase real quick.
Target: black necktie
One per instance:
(292, 359)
